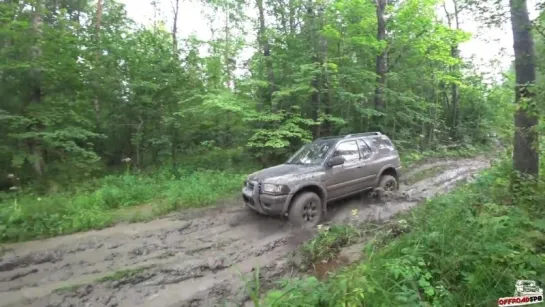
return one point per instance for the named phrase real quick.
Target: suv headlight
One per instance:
(270, 188)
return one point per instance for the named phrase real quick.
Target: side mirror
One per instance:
(338, 160)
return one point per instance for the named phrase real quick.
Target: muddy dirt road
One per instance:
(184, 259)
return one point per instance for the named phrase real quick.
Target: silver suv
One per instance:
(327, 169)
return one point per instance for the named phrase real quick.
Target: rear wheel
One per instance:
(306, 210)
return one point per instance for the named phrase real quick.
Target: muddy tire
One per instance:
(306, 210)
(388, 183)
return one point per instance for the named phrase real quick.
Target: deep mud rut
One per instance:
(188, 259)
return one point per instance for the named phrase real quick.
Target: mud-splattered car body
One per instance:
(329, 168)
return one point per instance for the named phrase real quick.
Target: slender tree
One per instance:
(453, 20)
(98, 24)
(382, 57)
(36, 92)
(526, 138)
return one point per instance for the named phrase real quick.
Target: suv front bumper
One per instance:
(264, 203)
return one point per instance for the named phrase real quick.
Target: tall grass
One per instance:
(26, 216)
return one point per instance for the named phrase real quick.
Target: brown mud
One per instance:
(186, 259)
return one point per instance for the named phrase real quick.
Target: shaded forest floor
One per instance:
(191, 258)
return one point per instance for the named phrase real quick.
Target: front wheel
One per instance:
(306, 210)
(388, 183)
(386, 186)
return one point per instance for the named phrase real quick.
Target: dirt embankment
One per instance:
(189, 259)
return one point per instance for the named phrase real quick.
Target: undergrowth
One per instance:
(466, 248)
(27, 215)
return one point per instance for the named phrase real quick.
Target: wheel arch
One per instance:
(310, 187)
(388, 170)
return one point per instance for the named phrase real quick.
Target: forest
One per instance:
(106, 120)
(84, 87)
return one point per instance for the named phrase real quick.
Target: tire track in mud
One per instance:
(186, 259)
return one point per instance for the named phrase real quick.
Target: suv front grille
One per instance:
(252, 184)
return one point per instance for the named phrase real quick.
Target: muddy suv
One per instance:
(327, 169)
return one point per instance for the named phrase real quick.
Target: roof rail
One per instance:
(330, 137)
(363, 134)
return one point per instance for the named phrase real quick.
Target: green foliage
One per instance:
(297, 292)
(291, 130)
(253, 285)
(465, 248)
(127, 92)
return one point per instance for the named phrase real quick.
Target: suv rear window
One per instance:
(386, 147)
(349, 150)
(386, 141)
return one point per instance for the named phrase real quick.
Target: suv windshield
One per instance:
(311, 154)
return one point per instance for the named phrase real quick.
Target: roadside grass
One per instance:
(25, 216)
(326, 246)
(69, 288)
(328, 243)
(466, 248)
(123, 274)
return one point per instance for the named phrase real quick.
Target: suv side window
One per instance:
(349, 150)
(366, 151)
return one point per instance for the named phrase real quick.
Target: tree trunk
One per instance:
(381, 60)
(454, 88)
(526, 139)
(227, 53)
(264, 42)
(315, 97)
(228, 71)
(139, 137)
(96, 103)
(36, 95)
(455, 51)
(455, 94)
(325, 87)
(291, 5)
(175, 10)
(175, 132)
